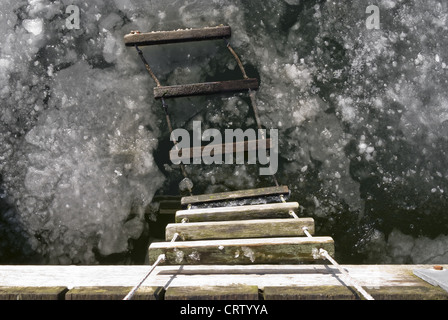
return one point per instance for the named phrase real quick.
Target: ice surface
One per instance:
(34, 26)
(362, 118)
(185, 185)
(77, 160)
(402, 248)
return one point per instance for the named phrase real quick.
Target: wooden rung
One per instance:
(227, 148)
(266, 228)
(194, 89)
(294, 250)
(185, 35)
(233, 195)
(259, 211)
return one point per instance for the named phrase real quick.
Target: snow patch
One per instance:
(33, 26)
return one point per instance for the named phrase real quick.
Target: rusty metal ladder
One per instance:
(211, 231)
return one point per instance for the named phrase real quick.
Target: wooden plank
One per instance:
(242, 251)
(258, 211)
(323, 292)
(32, 293)
(240, 229)
(236, 292)
(226, 148)
(114, 293)
(419, 292)
(372, 277)
(194, 89)
(232, 195)
(174, 36)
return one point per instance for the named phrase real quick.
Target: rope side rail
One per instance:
(324, 253)
(132, 292)
(159, 260)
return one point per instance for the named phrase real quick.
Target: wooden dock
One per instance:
(186, 282)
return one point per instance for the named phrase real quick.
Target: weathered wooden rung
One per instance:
(258, 211)
(292, 250)
(220, 149)
(232, 195)
(185, 35)
(266, 228)
(204, 88)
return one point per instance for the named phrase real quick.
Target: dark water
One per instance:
(362, 118)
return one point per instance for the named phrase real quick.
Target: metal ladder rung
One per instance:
(219, 149)
(185, 35)
(195, 89)
(246, 212)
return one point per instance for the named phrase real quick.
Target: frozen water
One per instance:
(73, 115)
(402, 248)
(362, 118)
(34, 26)
(185, 185)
